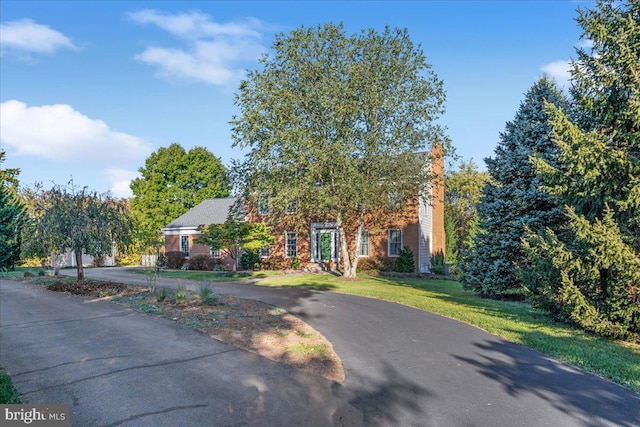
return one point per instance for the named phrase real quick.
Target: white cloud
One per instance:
(560, 71)
(585, 44)
(213, 52)
(119, 180)
(61, 133)
(26, 35)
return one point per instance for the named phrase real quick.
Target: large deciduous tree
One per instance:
(172, 182)
(513, 200)
(333, 121)
(589, 273)
(83, 221)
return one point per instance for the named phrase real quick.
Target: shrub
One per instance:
(206, 295)
(202, 263)
(388, 264)
(181, 295)
(28, 274)
(272, 263)
(161, 294)
(295, 263)
(368, 265)
(185, 266)
(250, 260)
(98, 261)
(42, 272)
(175, 259)
(405, 262)
(437, 262)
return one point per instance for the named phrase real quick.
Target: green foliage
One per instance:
(161, 294)
(250, 260)
(172, 182)
(437, 263)
(368, 265)
(462, 194)
(512, 200)
(589, 272)
(8, 394)
(174, 259)
(12, 217)
(295, 263)
(181, 295)
(405, 262)
(343, 115)
(207, 296)
(236, 234)
(86, 222)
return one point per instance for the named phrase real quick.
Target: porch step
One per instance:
(317, 267)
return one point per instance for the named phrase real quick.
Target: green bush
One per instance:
(405, 262)
(250, 260)
(28, 274)
(295, 263)
(437, 262)
(207, 296)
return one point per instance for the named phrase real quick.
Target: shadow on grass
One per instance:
(523, 373)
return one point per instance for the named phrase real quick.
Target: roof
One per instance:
(210, 211)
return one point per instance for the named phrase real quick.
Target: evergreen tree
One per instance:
(513, 200)
(590, 272)
(11, 217)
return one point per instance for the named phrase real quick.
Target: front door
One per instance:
(325, 245)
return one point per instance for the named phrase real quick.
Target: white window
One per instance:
(263, 205)
(216, 253)
(395, 242)
(363, 250)
(265, 251)
(291, 243)
(184, 245)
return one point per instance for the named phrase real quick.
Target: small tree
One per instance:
(82, 221)
(234, 235)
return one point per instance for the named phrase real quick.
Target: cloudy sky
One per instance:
(89, 89)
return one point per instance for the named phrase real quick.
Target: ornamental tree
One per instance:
(334, 121)
(69, 218)
(235, 235)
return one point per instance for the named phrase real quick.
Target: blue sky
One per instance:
(89, 89)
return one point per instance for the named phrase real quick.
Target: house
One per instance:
(419, 225)
(181, 233)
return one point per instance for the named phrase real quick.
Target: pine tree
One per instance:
(513, 201)
(11, 214)
(590, 272)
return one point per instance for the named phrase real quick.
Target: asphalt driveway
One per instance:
(409, 367)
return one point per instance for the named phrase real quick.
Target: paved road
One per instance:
(114, 366)
(409, 367)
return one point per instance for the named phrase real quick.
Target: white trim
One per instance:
(180, 230)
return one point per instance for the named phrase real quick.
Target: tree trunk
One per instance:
(79, 266)
(350, 264)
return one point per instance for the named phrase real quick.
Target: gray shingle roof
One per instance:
(210, 211)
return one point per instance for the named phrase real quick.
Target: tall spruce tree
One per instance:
(590, 273)
(513, 201)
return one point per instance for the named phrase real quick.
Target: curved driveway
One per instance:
(409, 367)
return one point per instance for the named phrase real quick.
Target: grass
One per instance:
(516, 322)
(19, 272)
(8, 394)
(210, 276)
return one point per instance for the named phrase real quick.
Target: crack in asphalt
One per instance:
(131, 368)
(146, 414)
(68, 363)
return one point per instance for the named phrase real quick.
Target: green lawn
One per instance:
(516, 322)
(210, 276)
(19, 272)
